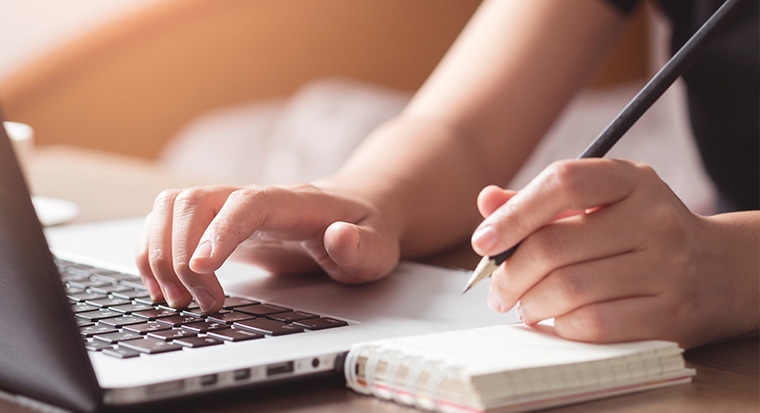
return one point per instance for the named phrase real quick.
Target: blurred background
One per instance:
(268, 91)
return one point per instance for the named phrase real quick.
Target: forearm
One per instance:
(479, 115)
(422, 177)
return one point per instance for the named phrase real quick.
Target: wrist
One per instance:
(731, 264)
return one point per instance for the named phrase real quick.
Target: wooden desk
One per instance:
(113, 187)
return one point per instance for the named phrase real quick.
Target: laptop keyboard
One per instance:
(117, 317)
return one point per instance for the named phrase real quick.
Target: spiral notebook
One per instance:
(509, 368)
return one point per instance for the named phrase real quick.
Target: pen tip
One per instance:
(466, 288)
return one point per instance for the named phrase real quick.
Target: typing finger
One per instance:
(160, 250)
(194, 209)
(284, 213)
(143, 263)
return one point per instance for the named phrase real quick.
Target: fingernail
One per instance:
(204, 250)
(173, 294)
(204, 299)
(484, 238)
(519, 312)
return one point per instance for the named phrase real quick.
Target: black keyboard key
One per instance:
(86, 296)
(107, 302)
(130, 293)
(230, 317)
(82, 307)
(291, 316)
(121, 352)
(154, 314)
(151, 345)
(74, 274)
(73, 290)
(179, 320)
(136, 283)
(148, 327)
(118, 336)
(262, 309)
(195, 342)
(92, 330)
(192, 306)
(232, 302)
(123, 320)
(149, 301)
(131, 308)
(205, 326)
(233, 334)
(113, 276)
(87, 283)
(172, 334)
(270, 327)
(109, 289)
(194, 312)
(99, 314)
(96, 345)
(320, 323)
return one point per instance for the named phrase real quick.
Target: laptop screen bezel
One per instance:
(43, 353)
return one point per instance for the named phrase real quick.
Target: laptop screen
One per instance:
(42, 352)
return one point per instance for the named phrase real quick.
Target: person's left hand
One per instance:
(609, 252)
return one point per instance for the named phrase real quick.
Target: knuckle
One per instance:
(166, 198)
(301, 188)
(248, 196)
(565, 178)
(188, 199)
(644, 170)
(182, 268)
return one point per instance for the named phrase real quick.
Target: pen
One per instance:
(661, 81)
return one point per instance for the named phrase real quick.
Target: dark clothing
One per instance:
(723, 96)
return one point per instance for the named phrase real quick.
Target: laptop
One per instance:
(78, 332)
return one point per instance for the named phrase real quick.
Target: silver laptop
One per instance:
(79, 332)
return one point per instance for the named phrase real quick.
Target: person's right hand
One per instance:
(285, 229)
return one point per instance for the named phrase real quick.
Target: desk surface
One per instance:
(108, 187)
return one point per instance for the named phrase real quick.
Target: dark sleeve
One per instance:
(624, 6)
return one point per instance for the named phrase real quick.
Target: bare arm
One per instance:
(479, 115)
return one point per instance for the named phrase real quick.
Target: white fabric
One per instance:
(298, 140)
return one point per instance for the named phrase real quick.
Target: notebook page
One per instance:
(512, 347)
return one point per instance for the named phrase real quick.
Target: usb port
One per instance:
(208, 380)
(242, 374)
(280, 368)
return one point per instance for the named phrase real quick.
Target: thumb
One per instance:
(359, 253)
